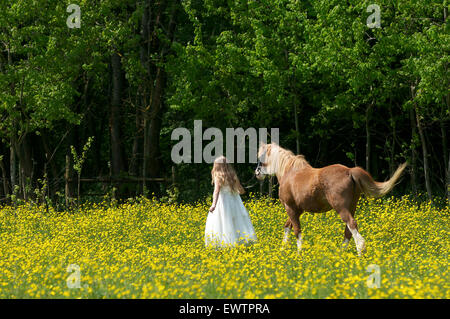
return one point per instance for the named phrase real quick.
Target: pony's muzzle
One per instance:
(258, 174)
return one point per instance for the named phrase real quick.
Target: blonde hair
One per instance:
(224, 174)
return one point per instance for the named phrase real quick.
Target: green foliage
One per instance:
(79, 159)
(173, 194)
(232, 64)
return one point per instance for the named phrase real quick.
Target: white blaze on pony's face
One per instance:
(264, 162)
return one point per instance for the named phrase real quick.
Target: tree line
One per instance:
(339, 90)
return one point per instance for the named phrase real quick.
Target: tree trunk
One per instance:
(152, 127)
(117, 159)
(297, 129)
(49, 160)
(448, 181)
(12, 148)
(134, 161)
(413, 151)
(392, 150)
(144, 158)
(26, 165)
(368, 139)
(147, 47)
(66, 179)
(426, 167)
(12, 165)
(154, 161)
(444, 139)
(5, 179)
(152, 116)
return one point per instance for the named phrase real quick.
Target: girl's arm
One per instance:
(215, 196)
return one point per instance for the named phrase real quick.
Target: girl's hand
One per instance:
(212, 208)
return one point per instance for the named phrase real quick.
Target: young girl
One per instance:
(228, 222)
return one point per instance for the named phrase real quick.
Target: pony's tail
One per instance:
(373, 188)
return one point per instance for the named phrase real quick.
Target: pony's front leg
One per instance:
(294, 218)
(287, 231)
(347, 237)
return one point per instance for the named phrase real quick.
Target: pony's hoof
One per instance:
(361, 249)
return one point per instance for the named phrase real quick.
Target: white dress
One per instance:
(229, 224)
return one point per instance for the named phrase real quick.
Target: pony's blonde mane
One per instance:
(283, 160)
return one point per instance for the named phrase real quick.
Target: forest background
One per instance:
(101, 100)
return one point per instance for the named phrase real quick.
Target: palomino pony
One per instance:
(317, 190)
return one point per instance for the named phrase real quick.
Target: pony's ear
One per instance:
(262, 148)
(268, 149)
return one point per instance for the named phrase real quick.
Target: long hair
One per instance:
(224, 174)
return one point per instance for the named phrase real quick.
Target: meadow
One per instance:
(146, 248)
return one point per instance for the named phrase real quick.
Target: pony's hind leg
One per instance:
(347, 232)
(352, 227)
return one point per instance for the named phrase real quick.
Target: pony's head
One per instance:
(265, 161)
(275, 160)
